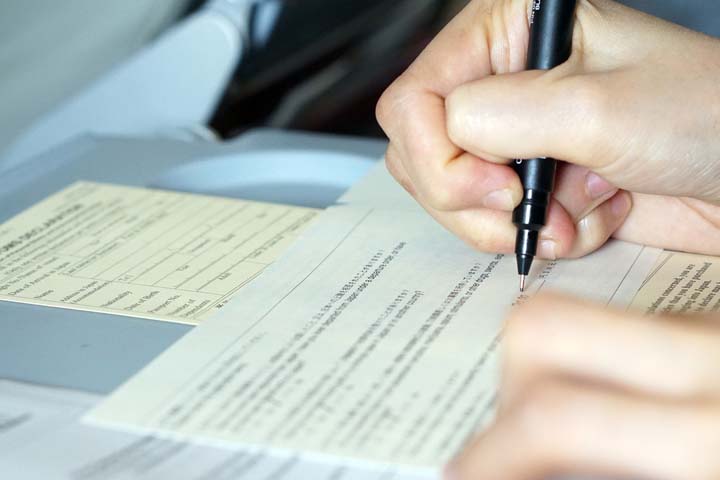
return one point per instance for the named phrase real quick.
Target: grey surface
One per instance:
(85, 351)
(96, 352)
(51, 49)
(701, 15)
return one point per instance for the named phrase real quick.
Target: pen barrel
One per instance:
(551, 33)
(538, 179)
(550, 45)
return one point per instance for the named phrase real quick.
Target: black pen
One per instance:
(551, 31)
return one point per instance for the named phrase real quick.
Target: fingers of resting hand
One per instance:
(566, 428)
(676, 358)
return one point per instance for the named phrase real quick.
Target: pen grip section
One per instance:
(538, 179)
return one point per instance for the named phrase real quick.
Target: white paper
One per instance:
(140, 252)
(378, 189)
(374, 338)
(42, 438)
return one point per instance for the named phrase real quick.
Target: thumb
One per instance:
(527, 115)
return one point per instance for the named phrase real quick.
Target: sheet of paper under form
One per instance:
(375, 338)
(41, 437)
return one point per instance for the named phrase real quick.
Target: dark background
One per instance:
(326, 62)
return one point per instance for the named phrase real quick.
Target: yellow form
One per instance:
(140, 252)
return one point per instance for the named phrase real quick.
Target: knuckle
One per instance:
(455, 123)
(441, 196)
(590, 97)
(387, 107)
(390, 165)
(592, 101)
(382, 108)
(392, 168)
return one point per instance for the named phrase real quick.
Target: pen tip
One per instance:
(522, 283)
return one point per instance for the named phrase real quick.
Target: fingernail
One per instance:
(597, 186)
(547, 249)
(499, 200)
(620, 205)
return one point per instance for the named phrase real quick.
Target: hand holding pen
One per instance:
(632, 114)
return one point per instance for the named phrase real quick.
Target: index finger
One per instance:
(487, 37)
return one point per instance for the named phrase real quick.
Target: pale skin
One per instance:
(635, 116)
